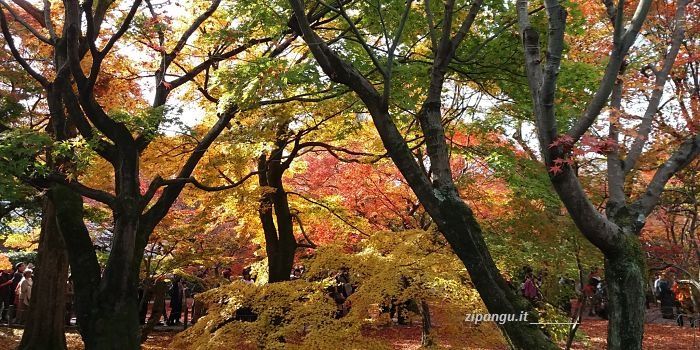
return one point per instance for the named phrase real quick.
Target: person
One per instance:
(342, 279)
(656, 287)
(5, 294)
(16, 279)
(246, 277)
(24, 294)
(589, 290)
(160, 288)
(529, 287)
(226, 274)
(296, 273)
(175, 292)
(70, 293)
(666, 295)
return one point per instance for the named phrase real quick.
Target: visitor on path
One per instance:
(176, 293)
(16, 279)
(296, 272)
(246, 276)
(159, 290)
(70, 293)
(226, 274)
(666, 295)
(24, 294)
(529, 287)
(6, 294)
(657, 297)
(589, 290)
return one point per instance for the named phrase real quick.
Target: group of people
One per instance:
(15, 293)
(340, 291)
(175, 289)
(674, 299)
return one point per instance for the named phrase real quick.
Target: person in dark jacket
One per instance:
(6, 294)
(666, 295)
(176, 293)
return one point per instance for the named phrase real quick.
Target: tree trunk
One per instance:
(107, 312)
(45, 325)
(426, 338)
(461, 230)
(625, 278)
(275, 216)
(280, 261)
(116, 325)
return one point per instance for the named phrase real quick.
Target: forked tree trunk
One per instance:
(625, 278)
(107, 312)
(45, 324)
(275, 215)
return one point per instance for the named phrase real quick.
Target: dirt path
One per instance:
(656, 336)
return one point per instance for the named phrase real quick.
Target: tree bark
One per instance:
(466, 239)
(45, 325)
(426, 339)
(625, 275)
(107, 312)
(276, 217)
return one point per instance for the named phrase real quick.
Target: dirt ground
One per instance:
(656, 337)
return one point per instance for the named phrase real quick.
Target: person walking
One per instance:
(24, 294)
(530, 288)
(176, 293)
(16, 279)
(666, 295)
(6, 294)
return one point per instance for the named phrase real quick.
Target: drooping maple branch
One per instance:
(330, 210)
(309, 243)
(16, 55)
(92, 193)
(32, 11)
(159, 182)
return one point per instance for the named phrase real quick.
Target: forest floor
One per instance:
(657, 337)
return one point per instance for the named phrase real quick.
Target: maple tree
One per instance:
(616, 233)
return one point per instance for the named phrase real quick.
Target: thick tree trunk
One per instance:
(45, 325)
(107, 310)
(276, 217)
(280, 261)
(116, 325)
(625, 278)
(464, 235)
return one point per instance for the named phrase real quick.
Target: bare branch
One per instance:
(659, 83)
(683, 156)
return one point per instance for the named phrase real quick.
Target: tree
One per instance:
(435, 189)
(616, 233)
